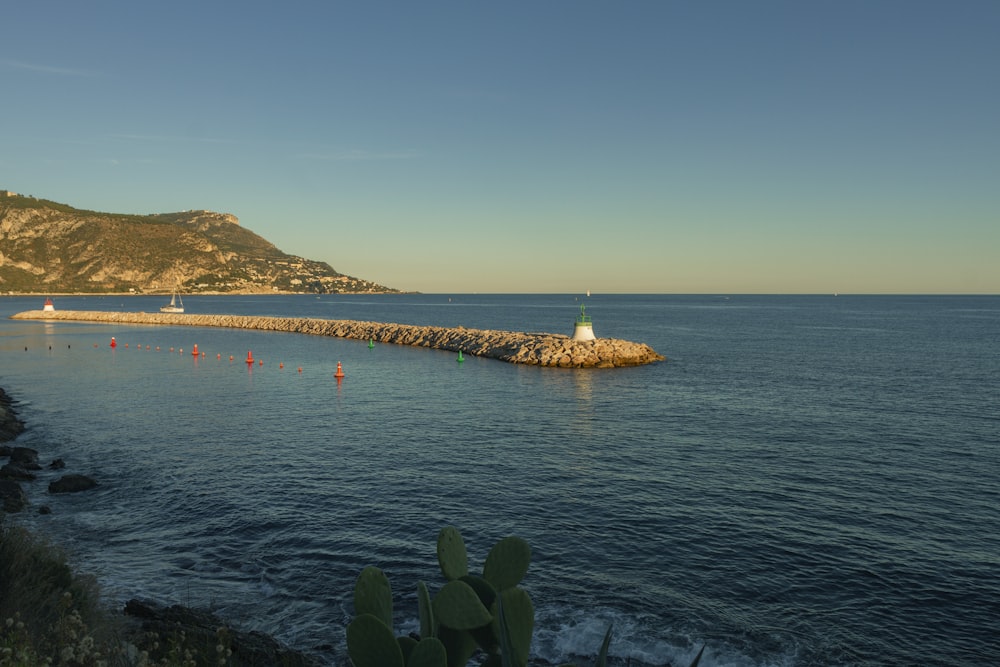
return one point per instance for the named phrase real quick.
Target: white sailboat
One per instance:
(176, 304)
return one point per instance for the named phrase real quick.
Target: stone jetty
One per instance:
(534, 349)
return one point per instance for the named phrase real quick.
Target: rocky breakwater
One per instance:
(534, 349)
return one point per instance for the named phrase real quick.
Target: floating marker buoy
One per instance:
(300, 369)
(281, 364)
(371, 343)
(260, 363)
(195, 350)
(340, 371)
(113, 343)
(218, 355)
(460, 357)
(249, 357)
(126, 346)
(230, 357)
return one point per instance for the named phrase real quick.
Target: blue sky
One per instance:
(664, 147)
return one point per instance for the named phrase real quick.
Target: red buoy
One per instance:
(249, 357)
(195, 350)
(340, 371)
(113, 343)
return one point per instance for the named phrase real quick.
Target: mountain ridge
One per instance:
(49, 247)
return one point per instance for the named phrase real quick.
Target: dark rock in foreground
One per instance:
(25, 457)
(72, 484)
(202, 629)
(16, 472)
(10, 425)
(12, 496)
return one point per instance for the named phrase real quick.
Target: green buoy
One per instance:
(460, 357)
(371, 343)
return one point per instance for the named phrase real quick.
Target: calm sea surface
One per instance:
(808, 480)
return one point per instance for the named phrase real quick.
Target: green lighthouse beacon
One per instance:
(584, 329)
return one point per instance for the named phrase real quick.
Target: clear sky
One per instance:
(542, 146)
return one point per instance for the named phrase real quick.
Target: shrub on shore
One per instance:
(50, 616)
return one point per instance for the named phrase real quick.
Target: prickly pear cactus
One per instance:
(370, 643)
(459, 644)
(457, 606)
(489, 612)
(507, 563)
(428, 624)
(514, 623)
(429, 652)
(373, 595)
(451, 554)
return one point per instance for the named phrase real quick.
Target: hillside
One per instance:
(48, 247)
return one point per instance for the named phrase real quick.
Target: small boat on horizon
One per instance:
(176, 304)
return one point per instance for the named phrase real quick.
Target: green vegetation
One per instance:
(51, 248)
(44, 608)
(51, 617)
(488, 613)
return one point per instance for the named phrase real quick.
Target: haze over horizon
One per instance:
(557, 147)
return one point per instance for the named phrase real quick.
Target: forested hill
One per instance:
(48, 247)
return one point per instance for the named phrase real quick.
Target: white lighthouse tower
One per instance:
(584, 328)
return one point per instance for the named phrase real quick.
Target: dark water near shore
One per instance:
(808, 480)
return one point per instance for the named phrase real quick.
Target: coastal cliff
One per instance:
(534, 349)
(50, 248)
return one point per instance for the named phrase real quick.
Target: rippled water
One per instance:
(807, 480)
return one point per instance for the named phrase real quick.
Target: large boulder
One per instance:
(72, 484)
(14, 471)
(10, 425)
(12, 496)
(25, 457)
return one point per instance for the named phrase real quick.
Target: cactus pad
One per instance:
(452, 557)
(507, 563)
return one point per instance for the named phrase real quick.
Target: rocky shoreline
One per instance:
(534, 349)
(200, 627)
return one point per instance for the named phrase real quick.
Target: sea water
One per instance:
(806, 480)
